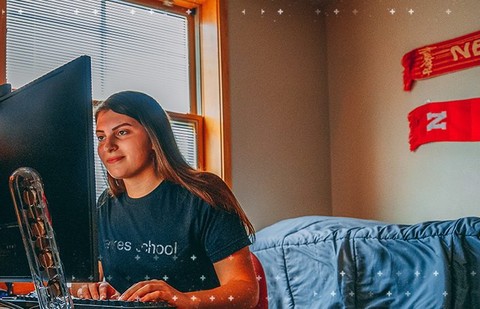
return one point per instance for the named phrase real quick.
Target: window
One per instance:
(150, 49)
(132, 46)
(211, 66)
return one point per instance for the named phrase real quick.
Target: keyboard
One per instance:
(32, 302)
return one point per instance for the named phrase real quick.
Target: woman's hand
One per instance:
(98, 290)
(157, 290)
(238, 287)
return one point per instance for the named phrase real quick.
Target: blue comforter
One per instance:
(333, 262)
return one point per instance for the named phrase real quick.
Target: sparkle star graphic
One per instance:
(193, 298)
(436, 273)
(448, 11)
(342, 273)
(280, 12)
(392, 11)
(212, 298)
(174, 297)
(259, 277)
(193, 257)
(411, 11)
(165, 278)
(203, 278)
(407, 293)
(231, 298)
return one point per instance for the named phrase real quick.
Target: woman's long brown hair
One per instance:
(169, 161)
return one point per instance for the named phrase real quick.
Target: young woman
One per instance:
(166, 231)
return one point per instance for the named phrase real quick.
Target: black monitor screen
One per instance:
(47, 125)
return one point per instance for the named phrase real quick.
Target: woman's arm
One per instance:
(238, 287)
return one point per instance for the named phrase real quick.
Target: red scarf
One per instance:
(440, 58)
(445, 121)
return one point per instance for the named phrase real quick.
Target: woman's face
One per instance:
(124, 146)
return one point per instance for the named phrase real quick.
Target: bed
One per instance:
(337, 262)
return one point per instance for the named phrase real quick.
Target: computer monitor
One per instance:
(47, 125)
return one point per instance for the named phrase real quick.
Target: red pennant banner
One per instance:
(445, 121)
(440, 58)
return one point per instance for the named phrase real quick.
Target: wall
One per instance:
(288, 122)
(279, 109)
(374, 174)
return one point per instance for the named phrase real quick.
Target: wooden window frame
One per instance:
(215, 88)
(213, 76)
(3, 41)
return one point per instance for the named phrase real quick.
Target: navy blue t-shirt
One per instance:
(170, 234)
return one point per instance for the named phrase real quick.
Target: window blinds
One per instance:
(132, 48)
(186, 137)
